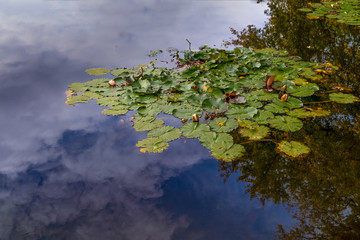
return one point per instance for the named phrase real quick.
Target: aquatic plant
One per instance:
(346, 11)
(216, 93)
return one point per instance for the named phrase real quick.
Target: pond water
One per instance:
(69, 172)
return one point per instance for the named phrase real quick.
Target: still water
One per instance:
(71, 173)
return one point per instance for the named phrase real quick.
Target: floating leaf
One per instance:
(185, 113)
(247, 124)
(256, 133)
(343, 98)
(286, 123)
(241, 112)
(97, 71)
(263, 116)
(293, 148)
(115, 112)
(207, 139)
(229, 152)
(78, 87)
(147, 123)
(303, 91)
(214, 105)
(222, 124)
(153, 144)
(77, 99)
(166, 133)
(300, 113)
(108, 101)
(194, 129)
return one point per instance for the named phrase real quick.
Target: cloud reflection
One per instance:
(70, 172)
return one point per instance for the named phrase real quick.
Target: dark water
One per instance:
(71, 173)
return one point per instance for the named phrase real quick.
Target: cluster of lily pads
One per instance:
(215, 93)
(346, 11)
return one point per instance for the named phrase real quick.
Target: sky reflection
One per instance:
(71, 173)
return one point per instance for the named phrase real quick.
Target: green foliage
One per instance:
(293, 148)
(228, 85)
(286, 123)
(153, 144)
(255, 133)
(97, 71)
(345, 11)
(343, 98)
(222, 124)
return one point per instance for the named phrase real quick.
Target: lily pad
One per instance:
(166, 133)
(147, 123)
(229, 152)
(115, 112)
(293, 148)
(343, 98)
(194, 129)
(77, 99)
(222, 124)
(286, 123)
(241, 112)
(97, 71)
(153, 144)
(256, 133)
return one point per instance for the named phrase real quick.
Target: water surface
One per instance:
(71, 173)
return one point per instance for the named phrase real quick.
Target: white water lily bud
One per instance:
(112, 83)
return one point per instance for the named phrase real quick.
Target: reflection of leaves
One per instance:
(256, 133)
(293, 148)
(166, 133)
(147, 123)
(153, 144)
(343, 98)
(194, 129)
(286, 123)
(222, 124)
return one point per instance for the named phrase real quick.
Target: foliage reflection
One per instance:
(322, 190)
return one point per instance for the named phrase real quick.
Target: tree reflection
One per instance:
(322, 190)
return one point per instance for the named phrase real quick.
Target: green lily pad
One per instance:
(186, 113)
(115, 112)
(97, 71)
(78, 87)
(229, 152)
(241, 112)
(207, 139)
(153, 144)
(214, 105)
(300, 113)
(303, 91)
(147, 123)
(263, 116)
(286, 123)
(343, 98)
(293, 148)
(222, 124)
(256, 133)
(194, 129)
(77, 99)
(166, 133)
